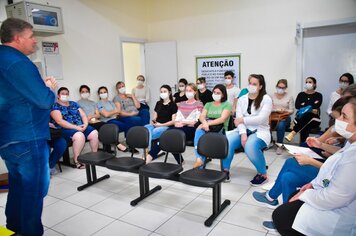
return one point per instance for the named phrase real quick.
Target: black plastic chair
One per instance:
(171, 141)
(137, 137)
(108, 136)
(215, 146)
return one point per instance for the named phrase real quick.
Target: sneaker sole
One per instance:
(265, 204)
(268, 229)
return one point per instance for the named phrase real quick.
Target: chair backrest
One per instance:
(173, 141)
(109, 134)
(137, 137)
(213, 145)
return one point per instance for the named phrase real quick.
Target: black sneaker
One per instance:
(258, 180)
(227, 180)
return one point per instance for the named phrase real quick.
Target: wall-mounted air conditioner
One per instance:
(45, 19)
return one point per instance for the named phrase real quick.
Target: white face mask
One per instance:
(103, 95)
(140, 82)
(252, 89)
(64, 98)
(122, 90)
(280, 91)
(340, 128)
(227, 81)
(85, 95)
(181, 88)
(308, 86)
(164, 96)
(201, 86)
(189, 95)
(343, 85)
(216, 97)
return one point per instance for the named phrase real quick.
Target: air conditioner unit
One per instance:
(46, 20)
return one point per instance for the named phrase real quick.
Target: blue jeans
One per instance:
(27, 163)
(59, 146)
(292, 176)
(130, 121)
(155, 133)
(281, 129)
(198, 134)
(122, 126)
(144, 114)
(253, 150)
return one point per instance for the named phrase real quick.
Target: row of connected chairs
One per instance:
(212, 145)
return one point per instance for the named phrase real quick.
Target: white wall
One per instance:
(262, 31)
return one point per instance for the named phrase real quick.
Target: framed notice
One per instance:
(214, 67)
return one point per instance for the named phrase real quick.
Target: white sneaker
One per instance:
(53, 171)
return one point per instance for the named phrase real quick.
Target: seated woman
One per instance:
(163, 117)
(299, 170)
(345, 81)
(253, 131)
(74, 123)
(109, 113)
(283, 103)
(326, 205)
(214, 118)
(308, 116)
(128, 106)
(89, 107)
(180, 95)
(142, 93)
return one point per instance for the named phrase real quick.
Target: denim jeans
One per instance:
(130, 121)
(281, 129)
(292, 176)
(145, 116)
(59, 146)
(27, 163)
(122, 126)
(198, 134)
(253, 150)
(155, 133)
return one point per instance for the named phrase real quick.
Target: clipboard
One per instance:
(302, 150)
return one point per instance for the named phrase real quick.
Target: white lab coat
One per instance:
(331, 209)
(257, 120)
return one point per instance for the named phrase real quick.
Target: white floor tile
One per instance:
(121, 228)
(85, 223)
(185, 224)
(2, 216)
(172, 198)
(49, 200)
(248, 216)
(230, 191)
(88, 197)
(148, 216)
(3, 199)
(58, 212)
(117, 183)
(64, 189)
(115, 206)
(49, 232)
(188, 188)
(232, 230)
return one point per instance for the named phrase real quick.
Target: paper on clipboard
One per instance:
(302, 150)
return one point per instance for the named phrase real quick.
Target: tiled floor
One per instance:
(178, 209)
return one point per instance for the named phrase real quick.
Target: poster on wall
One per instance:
(52, 60)
(213, 68)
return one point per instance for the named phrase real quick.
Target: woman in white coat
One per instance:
(253, 131)
(326, 205)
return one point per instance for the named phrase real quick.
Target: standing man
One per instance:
(25, 102)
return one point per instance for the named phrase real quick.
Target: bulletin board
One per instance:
(213, 68)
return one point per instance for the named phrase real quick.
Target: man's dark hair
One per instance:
(229, 72)
(12, 26)
(201, 79)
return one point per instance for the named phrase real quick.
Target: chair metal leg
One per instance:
(217, 208)
(91, 177)
(144, 190)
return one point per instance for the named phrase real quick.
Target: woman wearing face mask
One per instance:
(74, 123)
(282, 103)
(129, 107)
(345, 81)
(214, 118)
(299, 170)
(109, 113)
(89, 107)
(253, 131)
(180, 95)
(326, 205)
(163, 117)
(307, 119)
(142, 93)
(204, 94)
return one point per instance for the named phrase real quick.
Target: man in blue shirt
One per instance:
(25, 102)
